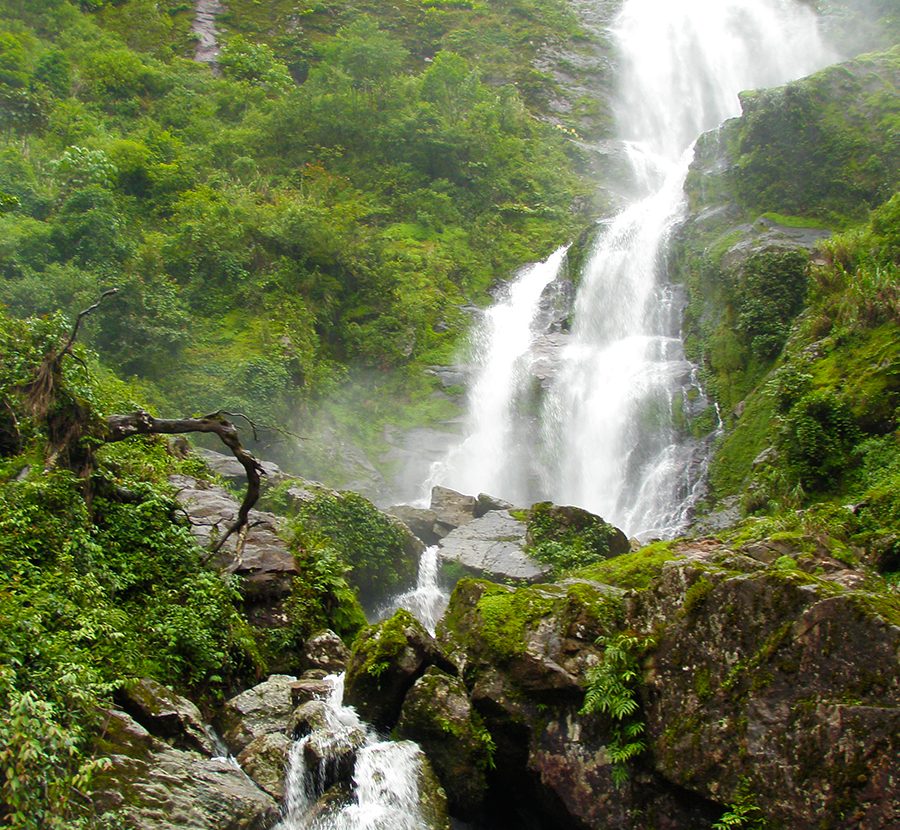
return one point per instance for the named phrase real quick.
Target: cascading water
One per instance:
(427, 601)
(606, 435)
(385, 780)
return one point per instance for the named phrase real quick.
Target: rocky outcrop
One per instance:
(492, 547)
(386, 661)
(451, 509)
(259, 557)
(265, 760)
(167, 715)
(439, 717)
(153, 786)
(751, 684)
(325, 652)
(420, 521)
(264, 709)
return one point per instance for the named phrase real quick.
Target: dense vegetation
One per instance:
(271, 237)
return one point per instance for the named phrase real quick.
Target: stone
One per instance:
(265, 760)
(485, 504)
(386, 660)
(166, 715)
(154, 786)
(228, 467)
(493, 547)
(326, 651)
(329, 746)
(439, 717)
(260, 558)
(565, 524)
(309, 688)
(451, 509)
(419, 520)
(258, 711)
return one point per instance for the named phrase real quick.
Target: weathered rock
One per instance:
(755, 683)
(419, 520)
(438, 716)
(451, 509)
(261, 558)
(493, 547)
(759, 679)
(549, 522)
(265, 708)
(265, 760)
(330, 747)
(153, 786)
(385, 662)
(485, 503)
(166, 715)
(432, 802)
(228, 467)
(326, 651)
(309, 688)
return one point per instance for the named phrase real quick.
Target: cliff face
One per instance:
(763, 680)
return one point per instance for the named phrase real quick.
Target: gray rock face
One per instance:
(259, 557)
(486, 503)
(492, 547)
(451, 509)
(420, 521)
(168, 715)
(325, 651)
(259, 711)
(265, 760)
(156, 787)
(230, 468)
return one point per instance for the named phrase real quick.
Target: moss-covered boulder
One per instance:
(439, 717)
(567, 537)
(713, 676)
(385, 662)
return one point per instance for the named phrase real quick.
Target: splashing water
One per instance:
(605, 436)
(385, 780)
(427, 601)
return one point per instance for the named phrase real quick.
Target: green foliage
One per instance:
(769, 296)
(633, 571)
(612, 691)
(743, 813)
(567, 538)
(379, 645)
(363, 537)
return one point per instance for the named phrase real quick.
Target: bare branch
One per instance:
(120, 427)
(67, 349)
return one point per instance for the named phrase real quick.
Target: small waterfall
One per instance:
(427, 601)
(606, 436)
(384, 791)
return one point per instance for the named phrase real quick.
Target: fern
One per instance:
(612, 691)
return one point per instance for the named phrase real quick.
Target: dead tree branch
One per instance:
(120, 427)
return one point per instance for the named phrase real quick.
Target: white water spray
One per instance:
(606, 436)
(427, 601)
(385, 779)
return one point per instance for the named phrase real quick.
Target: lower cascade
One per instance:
(427, 600)
(385, 779)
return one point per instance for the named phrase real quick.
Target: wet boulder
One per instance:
(419, 520)
(265, 708)
(492, 547)
(326, 651)
(154, 786)
(438, 715)
(329, 744)
(167, 715)
(451, 509)
(385, 662)
(265, 760)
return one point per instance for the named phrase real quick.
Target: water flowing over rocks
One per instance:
(204, 27)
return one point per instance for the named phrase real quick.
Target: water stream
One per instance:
(606, 434)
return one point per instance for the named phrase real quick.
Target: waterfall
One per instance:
(385, 779)
(605, 435)
(427, 601)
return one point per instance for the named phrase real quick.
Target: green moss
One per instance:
(379, 645)
(636, 570)
(505, 616)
